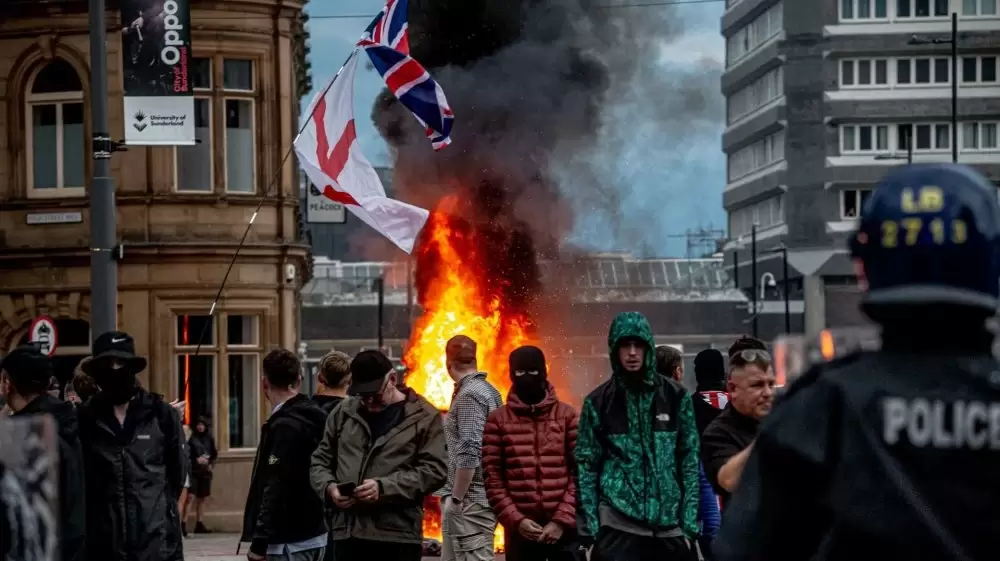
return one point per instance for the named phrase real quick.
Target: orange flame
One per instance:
(455, 303)
(456, 300)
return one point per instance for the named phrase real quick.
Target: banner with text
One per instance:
(156, 51)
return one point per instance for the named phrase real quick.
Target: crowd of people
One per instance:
(884, 454)
(345, 472)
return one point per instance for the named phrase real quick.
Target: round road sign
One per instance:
(43, 332)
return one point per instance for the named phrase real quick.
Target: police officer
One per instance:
(894, 453)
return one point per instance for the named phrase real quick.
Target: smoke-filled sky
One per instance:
(657, 156)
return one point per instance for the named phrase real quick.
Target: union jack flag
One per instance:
(389, 27)
(385, 41)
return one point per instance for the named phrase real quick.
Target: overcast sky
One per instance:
(693, 180)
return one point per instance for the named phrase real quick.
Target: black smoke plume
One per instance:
(544, 92)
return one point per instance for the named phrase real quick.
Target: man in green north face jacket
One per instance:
(637, 455)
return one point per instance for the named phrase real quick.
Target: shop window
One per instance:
(225, 374)
(55, 134)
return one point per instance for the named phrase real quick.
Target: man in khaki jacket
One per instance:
(383, 451)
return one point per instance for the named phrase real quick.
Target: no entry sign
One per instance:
(43, 332)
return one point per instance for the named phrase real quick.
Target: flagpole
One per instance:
(263, 199)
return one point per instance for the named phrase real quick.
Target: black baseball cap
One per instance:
(369, 370)
(28, 368)
(115, 345)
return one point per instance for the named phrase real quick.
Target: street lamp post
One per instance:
(953, 41)
(783, 249)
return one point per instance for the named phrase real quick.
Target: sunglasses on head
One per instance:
(750, 356)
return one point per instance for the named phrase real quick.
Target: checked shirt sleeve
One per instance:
(470, 412)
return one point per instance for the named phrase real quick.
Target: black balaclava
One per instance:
(528, 374)
(117, 380)
(710, 370)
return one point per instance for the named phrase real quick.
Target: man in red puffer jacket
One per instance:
(528, 464)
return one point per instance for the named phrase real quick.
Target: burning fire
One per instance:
(458, 298)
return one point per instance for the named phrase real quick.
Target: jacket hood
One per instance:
(540, 408)
(632, 325)
(62, 411)
(304, 410)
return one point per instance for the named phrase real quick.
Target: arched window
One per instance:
(56, 141)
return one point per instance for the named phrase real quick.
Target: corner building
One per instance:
(181, 211)
(822, 97)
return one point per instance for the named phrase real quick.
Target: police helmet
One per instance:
(930, 234)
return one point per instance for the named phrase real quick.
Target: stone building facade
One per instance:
(181, 212)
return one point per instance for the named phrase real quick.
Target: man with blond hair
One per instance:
(332, 379)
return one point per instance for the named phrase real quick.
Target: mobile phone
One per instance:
(346, 489)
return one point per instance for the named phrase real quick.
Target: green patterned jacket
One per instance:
(637, 446)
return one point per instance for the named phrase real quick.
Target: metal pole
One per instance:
(784, 272)
(381, 308)
(736, 269)
(954, 86)
(103, 268)
(753, 274)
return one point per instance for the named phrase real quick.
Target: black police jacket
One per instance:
(134, 476)
(871, 457)
(72, 520)
(281, 506)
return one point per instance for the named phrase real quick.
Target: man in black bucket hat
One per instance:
(134, 460)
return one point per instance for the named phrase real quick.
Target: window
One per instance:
(852, 201)
(921, 8)
(226, 120)
(922, 71)
(864, 138)
(979, 136)
(765, 214)
(979, 69)
(863, 73)
(756, 156)
(226, 365)
(55, 134)
(194, 163)
(863, 9)
(757, 94)
(926, 137)
(751, 37)
(979, 7)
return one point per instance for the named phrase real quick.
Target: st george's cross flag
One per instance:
(330, 155)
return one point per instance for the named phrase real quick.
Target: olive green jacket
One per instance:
(409, 463)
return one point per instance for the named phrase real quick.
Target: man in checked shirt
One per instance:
(468, 522)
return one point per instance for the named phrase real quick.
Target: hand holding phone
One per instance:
(346, 489)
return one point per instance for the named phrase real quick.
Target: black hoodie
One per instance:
(281, 505)
(72, 514)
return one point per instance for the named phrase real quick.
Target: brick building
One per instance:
(181, 211)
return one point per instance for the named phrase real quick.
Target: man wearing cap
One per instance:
(382, 453)
(24, 378)
(468, 522)
(134, 460)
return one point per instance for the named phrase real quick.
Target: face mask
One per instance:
(530, 386)
(117, 383)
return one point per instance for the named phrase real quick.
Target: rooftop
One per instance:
(602, 278)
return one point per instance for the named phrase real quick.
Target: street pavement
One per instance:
(222, 547)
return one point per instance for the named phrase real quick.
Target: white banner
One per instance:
(160, 120)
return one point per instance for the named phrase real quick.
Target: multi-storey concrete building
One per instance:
(822, 97)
